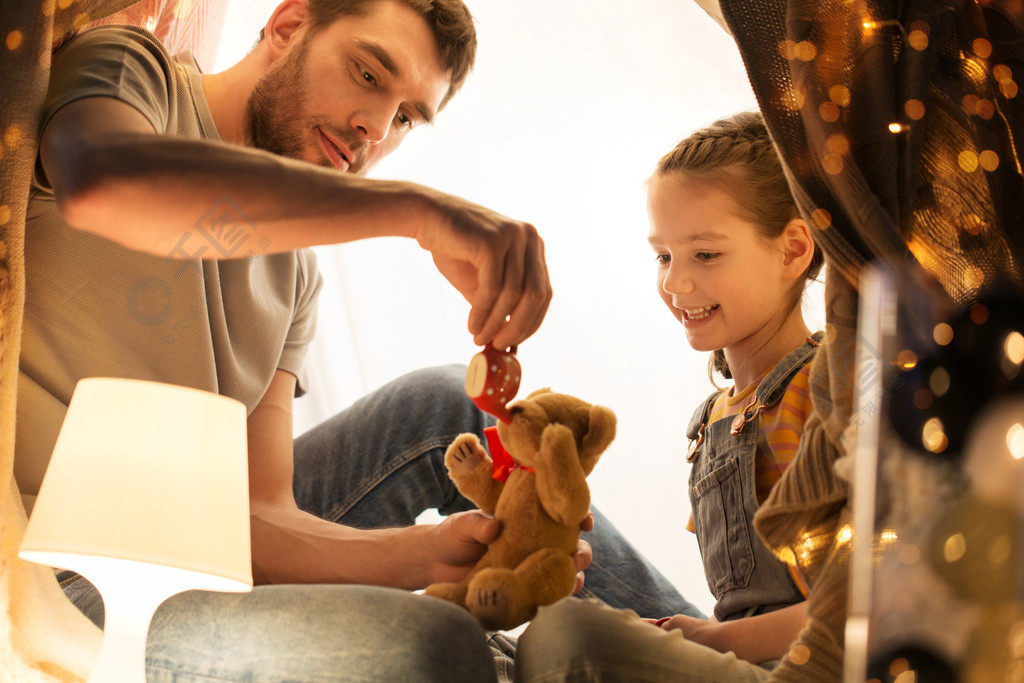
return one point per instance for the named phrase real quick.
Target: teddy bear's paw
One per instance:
(465, 455)
(490, 607)
(496, 599)
(453, 592)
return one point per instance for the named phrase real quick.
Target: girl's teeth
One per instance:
(699, 313)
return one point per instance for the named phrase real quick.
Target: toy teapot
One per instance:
(492, 380)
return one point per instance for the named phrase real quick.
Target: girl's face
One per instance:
(727, 284)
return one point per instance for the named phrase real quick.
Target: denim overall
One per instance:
(723, 498)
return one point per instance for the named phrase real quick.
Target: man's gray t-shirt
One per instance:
(95, 308)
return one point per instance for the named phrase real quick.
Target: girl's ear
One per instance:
(286, 26)
(797, 248)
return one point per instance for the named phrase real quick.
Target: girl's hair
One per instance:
(736, 156)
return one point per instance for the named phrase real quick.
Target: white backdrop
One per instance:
(570, 105)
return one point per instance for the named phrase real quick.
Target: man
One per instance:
(193, 199)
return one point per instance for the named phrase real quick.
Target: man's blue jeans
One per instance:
(379, 463)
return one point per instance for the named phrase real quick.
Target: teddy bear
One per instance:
(554, 441)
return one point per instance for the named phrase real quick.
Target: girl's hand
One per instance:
(755, 639)
(697, 630)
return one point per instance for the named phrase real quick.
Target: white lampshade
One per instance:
(146, 495)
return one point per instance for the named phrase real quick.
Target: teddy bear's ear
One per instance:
(538, 392)
(598, 436)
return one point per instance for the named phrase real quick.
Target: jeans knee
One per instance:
(437, 396)
(441, 382)
(562, 629)
(452, 645)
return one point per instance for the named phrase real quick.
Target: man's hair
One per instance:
(449, 21)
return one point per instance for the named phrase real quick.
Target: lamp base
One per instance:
(131, 591)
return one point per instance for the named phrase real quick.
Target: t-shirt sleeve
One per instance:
(122, 62)
(303, 326)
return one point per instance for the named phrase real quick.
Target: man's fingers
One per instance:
(583, 556)
(472, 526)
(488, 287)
(523, 302)
(588, 522)
(534, 298)
(509, 287)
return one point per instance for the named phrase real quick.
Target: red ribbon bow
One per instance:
(503, 462)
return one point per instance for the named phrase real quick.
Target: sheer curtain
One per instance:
(570, 105)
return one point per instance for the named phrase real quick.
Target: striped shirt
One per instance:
(781, 426)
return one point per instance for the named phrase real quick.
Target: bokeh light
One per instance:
(906, 360)
(933, 436)
(1015, 441)
(943, 334)
(914, 109)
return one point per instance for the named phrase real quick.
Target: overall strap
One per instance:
(772, 388)
(700, 416)
(695, 430)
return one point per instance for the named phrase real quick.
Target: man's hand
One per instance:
(495, 262)
(584, 554)
(458, 542)
(461, 539)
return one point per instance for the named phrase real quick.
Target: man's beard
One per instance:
(275, 111)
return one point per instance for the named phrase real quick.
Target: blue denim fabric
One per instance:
(379, 463)
(366, 469)
(574, 641)
(305, 633)
(314, 633)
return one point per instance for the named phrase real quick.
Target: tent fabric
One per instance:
(181, 25)
(42, 636)
(899, 126)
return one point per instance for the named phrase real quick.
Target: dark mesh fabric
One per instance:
(900, 126)
(831, 77)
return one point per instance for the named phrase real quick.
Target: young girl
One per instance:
(733, 258)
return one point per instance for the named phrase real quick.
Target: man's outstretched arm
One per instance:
(114, 176)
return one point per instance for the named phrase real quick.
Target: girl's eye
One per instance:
(663, 259)
(404, 120)
(707, 256)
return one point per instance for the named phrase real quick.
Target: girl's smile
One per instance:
(698, 315)
(729, 285)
